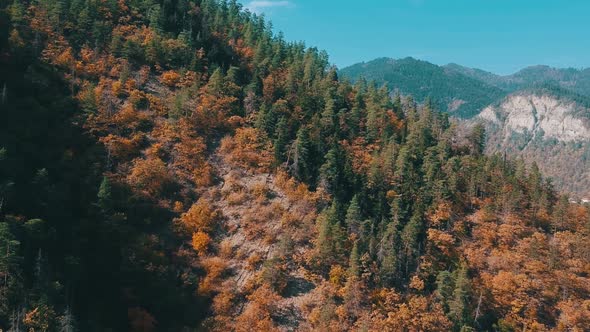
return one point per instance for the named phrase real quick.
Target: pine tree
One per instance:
(373, 124)
(389, 252)
(353, 262)
(302, 157)
(331, 171)
(266, 119)
(353, 216)
(281, 140)
(155, 18)
(104, 194)
(331, 239)
(328, 116)
(324, 240)
(216, 83)
(444, 288)
(477, 139)
(459, 304)
(411, 237)
(559, 218)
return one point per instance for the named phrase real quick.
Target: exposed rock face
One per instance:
(539, 116)
(551, 131)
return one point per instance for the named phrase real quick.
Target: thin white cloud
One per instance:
(259, 6)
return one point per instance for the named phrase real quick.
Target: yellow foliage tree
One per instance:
(200, 241)
(200, 217)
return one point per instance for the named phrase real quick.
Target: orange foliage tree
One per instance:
(149, 175)
(249, 148)
(200, 217)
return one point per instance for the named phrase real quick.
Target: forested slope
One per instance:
(174, 165)
(456, 92)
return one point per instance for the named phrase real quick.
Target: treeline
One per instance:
(111, 112)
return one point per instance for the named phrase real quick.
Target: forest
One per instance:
(174, 165)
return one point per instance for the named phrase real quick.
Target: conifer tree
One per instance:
(444, 288)
(281, 140)
(389, 251)
(302, 157)
(353, 216)
(411, 237)
(216, 83)
(459, 304)
(477, 139)
(331, 176)
(104, 194)
(353, 262)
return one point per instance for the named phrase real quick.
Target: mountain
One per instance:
(459, 94)
(498, 81)
(575, 80)
(459, 90)
(544, 127)
(469, 93)
(175, 165)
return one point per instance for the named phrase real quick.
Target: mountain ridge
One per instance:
(193, 171)
(577, 80)
(573, 79)
(450, 90)
(535, 110)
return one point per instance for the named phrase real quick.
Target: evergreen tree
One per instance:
(104, 194)
(330, 244)
(389, 252)
(353, 216)
(353, 262)
(477, 139)
(331, 172)
(302, 157)
(444, 288)
(216, 84)
(559, 217)
(328, 116)
(281, 140)
(155, 18)
(459, 305)
(411, 237)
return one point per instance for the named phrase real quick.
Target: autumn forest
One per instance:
(174, 165)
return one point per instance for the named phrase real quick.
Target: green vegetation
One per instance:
(476, 88)
(174, 165)
(451, 91)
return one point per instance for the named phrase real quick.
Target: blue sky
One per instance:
(501, 36)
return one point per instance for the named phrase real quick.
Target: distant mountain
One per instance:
(541, 114)
(576, 80)
(451, 90)
(481, 75)
(464, 91)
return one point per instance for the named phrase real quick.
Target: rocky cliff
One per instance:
(540, 127)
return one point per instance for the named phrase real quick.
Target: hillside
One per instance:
(546, 128)
(452, 84)
(574, 80)
(464, 91)
(450, 90)
(177, 166)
